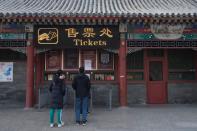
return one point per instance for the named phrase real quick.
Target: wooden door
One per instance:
(156, 80)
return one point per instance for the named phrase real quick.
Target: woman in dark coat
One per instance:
(57, 90)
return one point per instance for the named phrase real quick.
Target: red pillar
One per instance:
(30, 77)
(195, 61)
(122, 74)
(38, 74)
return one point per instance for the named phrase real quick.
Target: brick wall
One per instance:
(184, 93)
(14, 92)
(136, 94)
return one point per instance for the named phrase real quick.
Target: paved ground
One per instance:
(136, 118)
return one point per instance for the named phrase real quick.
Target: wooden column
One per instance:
(30, 77)
(38, 69)
(195, 61)
(122, 72)
(38, 73)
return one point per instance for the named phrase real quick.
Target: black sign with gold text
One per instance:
(77, 36)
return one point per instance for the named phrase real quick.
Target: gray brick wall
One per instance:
(136, 94)
(100, 94)
(183, 93)
(14, 92)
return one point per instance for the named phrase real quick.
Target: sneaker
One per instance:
(84, 123)
(59, 125)
(62, 123)
(51, 125)
(77, 122)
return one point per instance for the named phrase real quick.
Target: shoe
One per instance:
(78, 122)
(51, 125)
(59, 125)
(62, 123)
(84, 123)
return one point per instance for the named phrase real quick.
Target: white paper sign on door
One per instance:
(88, 64)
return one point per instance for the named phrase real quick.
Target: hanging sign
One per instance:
(77, 36)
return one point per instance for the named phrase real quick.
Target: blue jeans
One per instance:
(78, 102)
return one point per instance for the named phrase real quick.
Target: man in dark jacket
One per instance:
(81, 85)
(57, 90)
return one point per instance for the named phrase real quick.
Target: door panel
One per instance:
(156, 86)
(155, 71)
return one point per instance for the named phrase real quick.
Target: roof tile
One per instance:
(98, 7)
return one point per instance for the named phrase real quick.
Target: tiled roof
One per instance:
(112, 8)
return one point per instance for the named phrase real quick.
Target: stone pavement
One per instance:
(135, 118)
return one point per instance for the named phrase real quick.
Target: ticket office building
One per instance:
(70, 47)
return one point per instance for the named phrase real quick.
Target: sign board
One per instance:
(77, 36)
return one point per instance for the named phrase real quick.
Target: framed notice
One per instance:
(88, 59)
(71, 59)
(6, 71)
(53, 59)
(88, 64)
(105, 60)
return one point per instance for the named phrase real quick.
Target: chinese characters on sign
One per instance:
(72, 32)
(106, 32)
(77, 36)
(89, 32)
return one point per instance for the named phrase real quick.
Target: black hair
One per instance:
(59, 72)
(81, 70)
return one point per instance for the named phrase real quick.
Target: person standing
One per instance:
(57, 90)
(81, 85)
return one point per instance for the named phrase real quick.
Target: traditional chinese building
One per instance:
(145, 51)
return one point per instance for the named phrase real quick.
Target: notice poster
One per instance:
(88, 64)
(6, 71)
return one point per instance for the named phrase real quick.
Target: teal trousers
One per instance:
(59, 115)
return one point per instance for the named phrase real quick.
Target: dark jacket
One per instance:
(57, 89)
(81, 85)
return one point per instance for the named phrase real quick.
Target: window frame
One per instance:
(59, 60)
